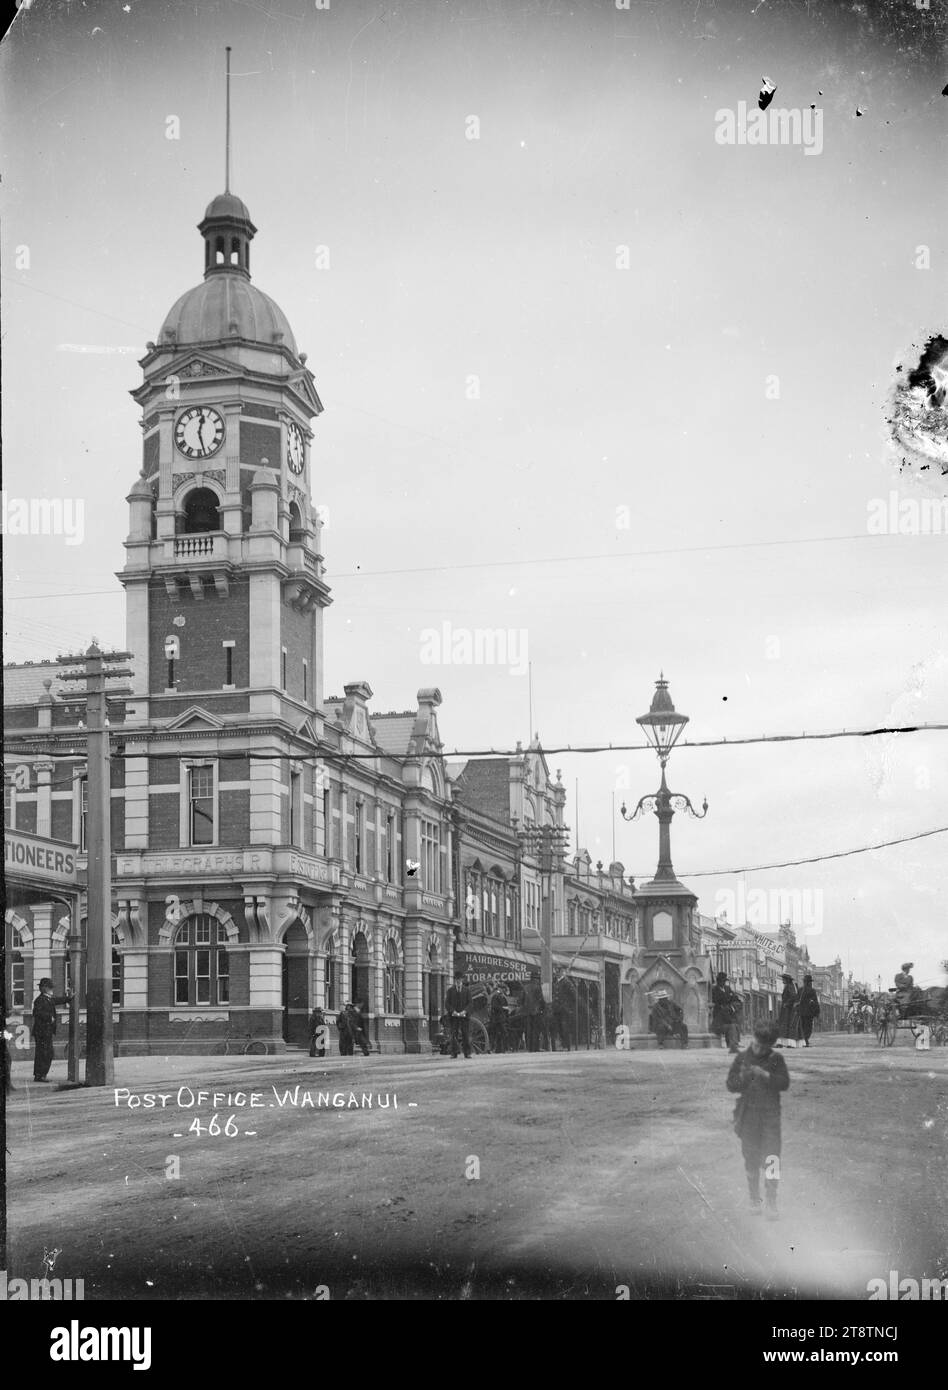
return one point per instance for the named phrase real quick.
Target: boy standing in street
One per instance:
(758, 1075)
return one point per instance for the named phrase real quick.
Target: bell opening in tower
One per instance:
(201, 512)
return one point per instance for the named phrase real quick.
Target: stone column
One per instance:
(416, 1021)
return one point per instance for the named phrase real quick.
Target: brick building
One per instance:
(272, 849)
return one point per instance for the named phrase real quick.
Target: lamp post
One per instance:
(671, 958)
(663, 726)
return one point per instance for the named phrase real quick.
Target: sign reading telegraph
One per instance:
(40, 860)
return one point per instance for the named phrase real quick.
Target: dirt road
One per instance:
(561, 1176)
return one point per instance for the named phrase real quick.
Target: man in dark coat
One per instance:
(809, 1007)
(358, 1021)
(724, 1011)
(343, 1024)
(758, 1075)
(44, 1028)
(457, 1005)
(667, 1020)
(497, 1026)
(561, 1014)
(532, 1003)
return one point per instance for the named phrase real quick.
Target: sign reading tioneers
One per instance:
(482, 968)
(39, 860)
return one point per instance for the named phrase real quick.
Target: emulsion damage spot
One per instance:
(918, 415)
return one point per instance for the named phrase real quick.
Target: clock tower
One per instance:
(224, 576)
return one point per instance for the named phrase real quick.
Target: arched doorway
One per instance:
(434, 990)
(296, 1007)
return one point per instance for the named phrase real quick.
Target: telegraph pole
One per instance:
(547, 844)
(99, 667)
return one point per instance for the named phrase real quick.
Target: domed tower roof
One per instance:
(227, 305)
(229, 206)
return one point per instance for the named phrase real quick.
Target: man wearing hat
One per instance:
(44, 1028)
(724, 1010)
(809, 1007)
(457, 1004)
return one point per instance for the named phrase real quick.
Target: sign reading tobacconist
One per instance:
(484, 968)
(39, 860)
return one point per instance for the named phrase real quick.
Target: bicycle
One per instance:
(242, 1044)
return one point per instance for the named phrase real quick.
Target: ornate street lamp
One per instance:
(663, 727)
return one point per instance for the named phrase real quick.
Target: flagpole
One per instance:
(227, 131)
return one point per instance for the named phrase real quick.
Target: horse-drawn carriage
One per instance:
(922, 1009)
(859, 1016)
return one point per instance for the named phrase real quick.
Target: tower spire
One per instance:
(227, 130)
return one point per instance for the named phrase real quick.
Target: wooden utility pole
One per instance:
(100, 1056)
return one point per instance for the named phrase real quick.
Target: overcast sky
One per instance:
(668, 466)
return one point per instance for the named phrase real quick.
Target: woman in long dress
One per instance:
(788, 1022)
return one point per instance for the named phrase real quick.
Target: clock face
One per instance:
(294, 448)
(199, 432)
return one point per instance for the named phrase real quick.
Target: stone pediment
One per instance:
(302, 384)
(197, 365)
(307, 730)
(193, 719)
(660, 969)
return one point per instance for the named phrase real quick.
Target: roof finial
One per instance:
(227, 133)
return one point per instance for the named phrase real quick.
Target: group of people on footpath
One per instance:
(350, 1025)
(529, 1018)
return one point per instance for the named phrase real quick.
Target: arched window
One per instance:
(219, 250)
(393, 979)
(434, 985)
(234, 251)
(16, 972)
(296, 525)
(201, 511)
(201, 967)
(472, 901)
